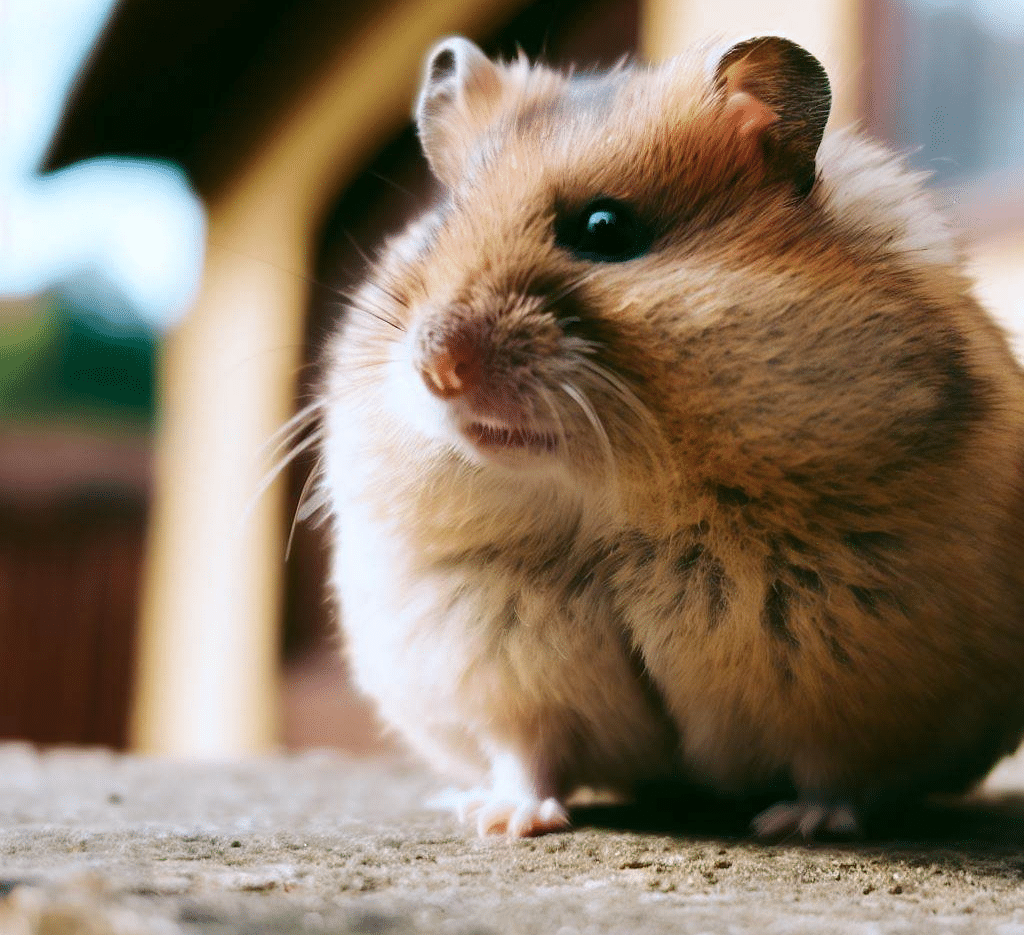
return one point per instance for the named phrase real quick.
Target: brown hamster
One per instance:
(671, 442)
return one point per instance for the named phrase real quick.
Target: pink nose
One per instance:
(453, 370)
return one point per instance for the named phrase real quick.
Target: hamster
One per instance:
(670, 443)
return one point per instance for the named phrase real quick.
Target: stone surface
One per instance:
(96, 844)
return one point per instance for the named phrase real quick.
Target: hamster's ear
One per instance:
(776, 91)
(460, 92)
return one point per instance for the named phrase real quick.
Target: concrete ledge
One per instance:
(97, 844)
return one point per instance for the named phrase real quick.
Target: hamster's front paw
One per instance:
(808, 820)
(494, 812)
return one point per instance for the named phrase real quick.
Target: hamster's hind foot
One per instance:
(807, 820)
(518, 817)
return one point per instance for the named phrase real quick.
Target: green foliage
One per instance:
(64, 364)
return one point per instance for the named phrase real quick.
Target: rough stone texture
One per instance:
(95, 844)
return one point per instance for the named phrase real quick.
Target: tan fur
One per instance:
(791, 548)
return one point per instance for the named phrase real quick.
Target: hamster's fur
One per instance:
(723, 483)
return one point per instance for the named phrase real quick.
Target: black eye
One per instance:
(605, 230)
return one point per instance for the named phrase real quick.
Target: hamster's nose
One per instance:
(453, 369)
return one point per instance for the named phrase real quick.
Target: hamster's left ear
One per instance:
(460, 93)
(777, 92)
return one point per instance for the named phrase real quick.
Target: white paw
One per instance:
(493, 813)
(808, 820)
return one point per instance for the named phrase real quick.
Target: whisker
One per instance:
(556, 416)
(393, 184)
(383, 319)
(309, 280)
(317, 502)
(643, 426)
(358, 294)
(566, 292)
(362, 253)
(352, 367)
(620, 387)
(373, 283)
(275, 472)
(303, 510)
(358, 302)
(286, 444)
(585, 347)
(389, 294)
(294, 426)
(578, 397)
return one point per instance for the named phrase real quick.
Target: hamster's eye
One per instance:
(605, 230)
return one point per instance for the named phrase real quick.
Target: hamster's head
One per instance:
(623, 271)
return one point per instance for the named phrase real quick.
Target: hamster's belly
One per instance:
(767, 680)
(468, 663)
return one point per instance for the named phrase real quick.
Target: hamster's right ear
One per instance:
(461, 90)
(775, 91)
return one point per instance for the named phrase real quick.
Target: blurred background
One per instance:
(186, 188)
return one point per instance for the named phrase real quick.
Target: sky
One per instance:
(124, 237)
